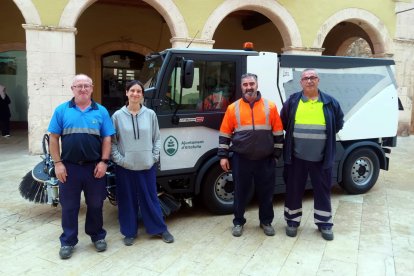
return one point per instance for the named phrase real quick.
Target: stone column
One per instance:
(404, 53)
(404, 63)
(50, 69)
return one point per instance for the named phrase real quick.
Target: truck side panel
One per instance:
(367, 95)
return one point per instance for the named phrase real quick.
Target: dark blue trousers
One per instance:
(137, 191)
(80, 178)
(262, 172)
(296, 175)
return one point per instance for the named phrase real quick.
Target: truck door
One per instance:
(190, 118)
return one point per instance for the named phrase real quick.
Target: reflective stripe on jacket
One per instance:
(255, 130)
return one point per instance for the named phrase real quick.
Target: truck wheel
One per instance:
(218, 191)
(360, 171)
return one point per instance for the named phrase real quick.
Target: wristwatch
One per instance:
(106, 161)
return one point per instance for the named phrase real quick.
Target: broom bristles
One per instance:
(168, 204)
(165, 210)
(32, 190)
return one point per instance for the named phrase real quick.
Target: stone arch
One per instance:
(371, 24)
(166, 8)
(29, 11)
(269, 8)
(96, 63)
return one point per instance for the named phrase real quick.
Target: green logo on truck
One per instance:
(170, 145)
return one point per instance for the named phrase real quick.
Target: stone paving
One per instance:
(374, 233)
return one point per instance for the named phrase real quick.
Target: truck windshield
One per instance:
(149, 71)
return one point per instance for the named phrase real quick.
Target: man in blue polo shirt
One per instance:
(311, 120)
(85, 130)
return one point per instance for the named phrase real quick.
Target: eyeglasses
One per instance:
(84, 86)
(312, 78)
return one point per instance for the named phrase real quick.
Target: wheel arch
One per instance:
(203, 170)
(362, 144)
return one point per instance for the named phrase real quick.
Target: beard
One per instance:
(250, 94)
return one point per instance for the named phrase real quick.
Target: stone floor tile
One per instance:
(329, 266)
(305, 255)
(183, 266)
(371, 240)
(372, 263)
(404, 264)
(266, 261)
(226, 263)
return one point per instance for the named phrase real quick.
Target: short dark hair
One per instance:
(249, 75)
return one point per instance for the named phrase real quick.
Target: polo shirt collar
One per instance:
(73, 104)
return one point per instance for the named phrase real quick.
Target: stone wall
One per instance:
(404, 59)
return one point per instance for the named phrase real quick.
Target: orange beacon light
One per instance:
(248, 46)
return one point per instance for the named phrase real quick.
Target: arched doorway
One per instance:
(13, 64)
(353, 23)
(13, 75)
(343, 36)
(246, 25)
(267, 16)
(118, 67)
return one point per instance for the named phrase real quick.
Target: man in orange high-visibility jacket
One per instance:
(253, 126)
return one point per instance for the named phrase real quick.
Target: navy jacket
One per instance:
(334, 118)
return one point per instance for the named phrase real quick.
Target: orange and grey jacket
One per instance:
(255, 130)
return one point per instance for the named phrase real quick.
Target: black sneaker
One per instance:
(167, 237)
(268, 229)
(237, 230)
(100, 245)
(326, 232)
(128, 241)
(291, 231)
(65, 252)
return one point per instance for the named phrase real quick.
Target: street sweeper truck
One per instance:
(189, 89)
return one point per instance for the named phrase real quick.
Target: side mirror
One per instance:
(187, 74)
(149, 93)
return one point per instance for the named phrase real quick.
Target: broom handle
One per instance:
(45, 144)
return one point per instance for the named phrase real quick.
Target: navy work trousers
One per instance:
(81, 178)
(296, 175)
(262, 172)
(137, 190)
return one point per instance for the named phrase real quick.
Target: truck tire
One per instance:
(360, 171)
(218, 191)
